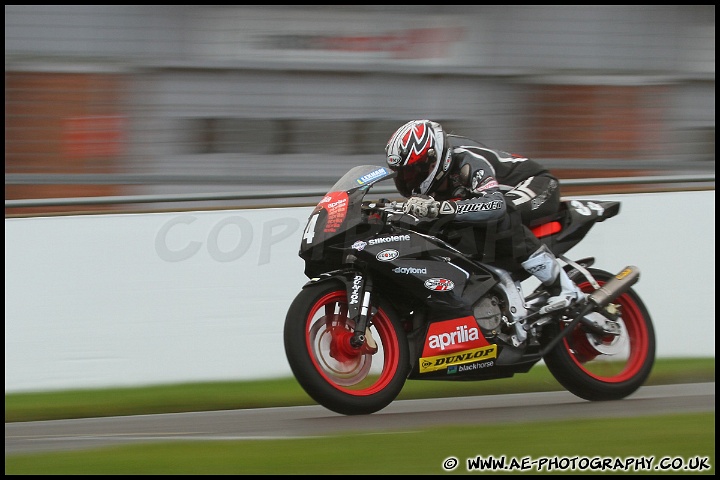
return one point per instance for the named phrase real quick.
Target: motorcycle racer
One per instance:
(466, 184)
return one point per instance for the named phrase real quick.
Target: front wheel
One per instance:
(606, 368)
(339, 377)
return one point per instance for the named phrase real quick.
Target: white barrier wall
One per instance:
(138, 299)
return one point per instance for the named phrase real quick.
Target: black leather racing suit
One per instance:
(489, 197)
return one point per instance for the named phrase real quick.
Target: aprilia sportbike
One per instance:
(390, 298)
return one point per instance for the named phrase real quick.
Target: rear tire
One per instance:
(337, 376)
(606, 368)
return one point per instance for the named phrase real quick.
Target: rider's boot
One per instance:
(543, 264)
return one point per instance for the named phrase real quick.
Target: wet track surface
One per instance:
(308, 421)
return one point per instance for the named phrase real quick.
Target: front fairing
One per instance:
(339, 215)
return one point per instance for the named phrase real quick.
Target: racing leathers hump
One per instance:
(478, 176)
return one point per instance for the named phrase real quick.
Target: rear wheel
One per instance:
(338, 376)
(610, 367)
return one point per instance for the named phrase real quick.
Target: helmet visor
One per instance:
(412, 176)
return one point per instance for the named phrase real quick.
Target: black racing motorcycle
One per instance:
(391, 298)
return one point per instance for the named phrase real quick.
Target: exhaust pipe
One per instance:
(618, 285)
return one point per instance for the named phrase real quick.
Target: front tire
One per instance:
(610, 368)
(343, 379)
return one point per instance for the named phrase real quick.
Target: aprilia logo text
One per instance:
(460, 335)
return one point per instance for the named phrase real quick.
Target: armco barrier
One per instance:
(138, 299)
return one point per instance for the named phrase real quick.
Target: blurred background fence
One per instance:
(104, 100)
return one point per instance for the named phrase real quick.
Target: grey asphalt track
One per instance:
(310, 421)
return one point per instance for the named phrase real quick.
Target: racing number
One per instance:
(309, 232)
(586, 209)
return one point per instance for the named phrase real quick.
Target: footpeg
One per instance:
(559, 304)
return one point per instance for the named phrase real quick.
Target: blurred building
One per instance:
(122, 99)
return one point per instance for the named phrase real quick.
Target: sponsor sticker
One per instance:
(387, 255)
(469, 367)
(440, 362)
(623, 274)
(336, 204)
(359, 245)
(454, 335)
(439, 284)
(391, 238)
(410, 270)
(477, 178)
(489, 183)
(479, 207)
(374, 175)
(448, 208)
(448, 161)
(355, 290)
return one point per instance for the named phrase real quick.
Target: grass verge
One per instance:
(672, 444)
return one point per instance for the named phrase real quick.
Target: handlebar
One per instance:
(383, 210)
(383, 205)
(391, 213)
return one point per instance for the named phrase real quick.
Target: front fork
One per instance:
(359, 291)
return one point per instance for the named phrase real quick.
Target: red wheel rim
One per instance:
(333, 307)
(622, 368)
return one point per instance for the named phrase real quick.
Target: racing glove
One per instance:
(422, 206)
